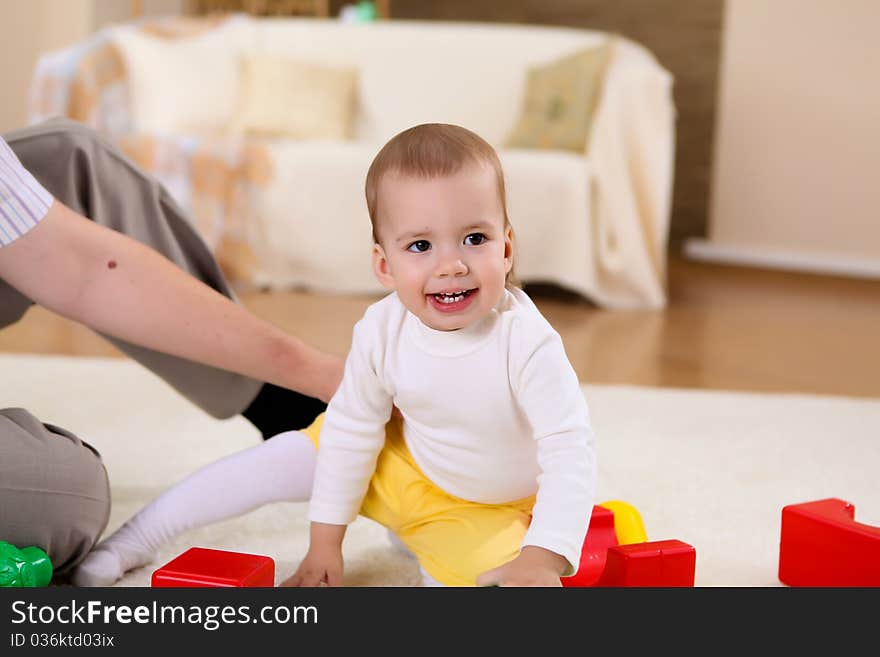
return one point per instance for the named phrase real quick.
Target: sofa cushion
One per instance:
(412, 72)
(559, 101)
(286, 97)
(184, 86)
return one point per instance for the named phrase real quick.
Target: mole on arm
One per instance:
(111, 264)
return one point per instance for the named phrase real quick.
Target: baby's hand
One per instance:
(319, 567)
(534, 566)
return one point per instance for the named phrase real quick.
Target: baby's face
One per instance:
(444, 247)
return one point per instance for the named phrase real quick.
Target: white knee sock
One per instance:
(280, 469)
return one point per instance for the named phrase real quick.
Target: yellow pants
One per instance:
(454, 539)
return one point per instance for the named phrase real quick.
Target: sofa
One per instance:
(263, 130)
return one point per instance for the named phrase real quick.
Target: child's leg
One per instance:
(459, 540)
(278, 470)
(454, 540)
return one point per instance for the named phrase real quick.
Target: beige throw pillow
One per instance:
(560, 98)
(291, 98)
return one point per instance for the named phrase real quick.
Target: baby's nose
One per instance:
(452, 265)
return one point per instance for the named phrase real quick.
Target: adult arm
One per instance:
(115, 285)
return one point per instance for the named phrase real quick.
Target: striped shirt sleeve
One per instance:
(23, 201)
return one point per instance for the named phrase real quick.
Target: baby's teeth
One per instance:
(443, 298)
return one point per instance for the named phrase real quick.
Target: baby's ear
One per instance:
(381, 268)
(509, 247)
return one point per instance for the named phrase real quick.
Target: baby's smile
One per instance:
(452, 301)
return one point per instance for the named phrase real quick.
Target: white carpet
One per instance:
(709, 468)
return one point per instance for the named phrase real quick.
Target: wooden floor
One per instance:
(724, 328)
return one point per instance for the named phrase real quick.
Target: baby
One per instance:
(488, 478)
(487, 473)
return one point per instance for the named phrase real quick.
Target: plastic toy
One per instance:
(616, 552)
(821, 544)
(600, 537)
(652, 563)
(363, 11)
(24, 567)
(628, 525)
(206, 568)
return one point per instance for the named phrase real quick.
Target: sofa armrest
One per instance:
(631, 150)
(85, 82)
(88, 81)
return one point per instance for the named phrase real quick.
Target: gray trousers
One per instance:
(53, 486)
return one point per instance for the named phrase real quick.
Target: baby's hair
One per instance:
(431, 150)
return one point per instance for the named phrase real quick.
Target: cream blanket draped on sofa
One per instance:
(286, 209)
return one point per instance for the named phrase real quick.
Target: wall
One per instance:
(796, 181)
(29, 28)
(114, 11)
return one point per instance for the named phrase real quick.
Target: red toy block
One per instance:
(203, 568)
(653, 563)
(821, 544)
(600, 537)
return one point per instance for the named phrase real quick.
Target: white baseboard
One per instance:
(814, 263)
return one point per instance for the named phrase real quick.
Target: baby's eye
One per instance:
(475, 239)
(419, 246)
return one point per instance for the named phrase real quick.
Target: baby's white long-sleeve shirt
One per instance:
(491, 413)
